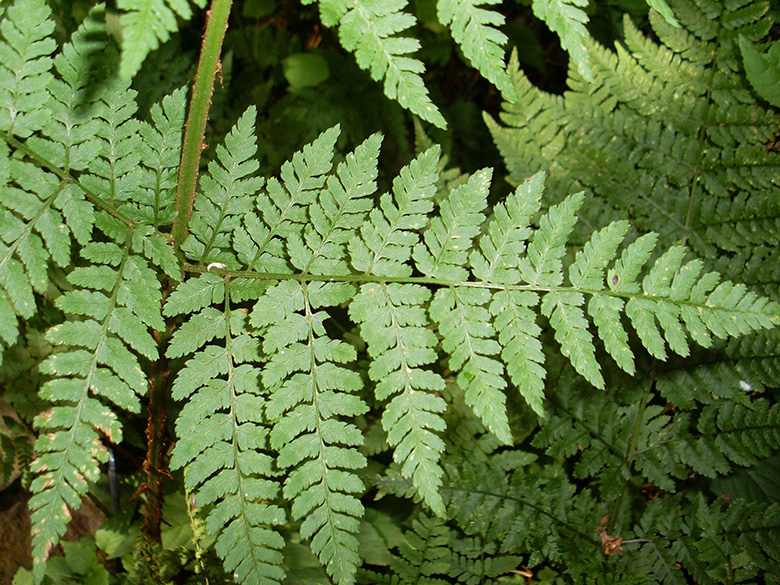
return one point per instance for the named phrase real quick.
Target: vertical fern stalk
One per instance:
(200, 104)
(216, 25)
(157, 437)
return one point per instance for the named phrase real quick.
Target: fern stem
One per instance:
(200, 104)
(156, 436)
(428, 281)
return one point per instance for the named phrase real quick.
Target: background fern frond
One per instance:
(145, 25)
(476, 30)
(24, 74)
(763, 70)
(368, 29)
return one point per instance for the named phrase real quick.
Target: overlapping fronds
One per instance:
(41, 212)
(225, 195)
(310, 311)
(670, 132)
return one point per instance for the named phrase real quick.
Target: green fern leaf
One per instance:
(543, 265)
(160, 157)
(468, 339)
(309, 389)
(70, 135)
(223, 437)
(571, 332)
(24, 74)
(521, 349)
(386, 238)
(225, 194)
(742, 365)
(260, 241)
(339, 209)
(367, 28)
(146, 24)
(567, 19)
(195, 294)
(447, 241)
(394, 327)
(423, 552)
(507, 232)
(41, 211)
(763, 71)
(115, 171)
(475, 29)
(663, 9)
(100, 366)
(401, 344)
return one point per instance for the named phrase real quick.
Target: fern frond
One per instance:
(401, 345)
(260, 241)
(41, 211)
(468, 335)
(160, 155)
(118, 298)
(663, 9)
(663, 124)
(424, 551)
(494, 262)
(339, 209)
(567, 19)
(25, 47)
(446, 242)
(310, 388)
(145, 25)
(69, 137)
(115, 171)
(225, 194)
(368, 28)
(386, 238)
(223, 434)
(476, 30)
(394, 325)
(747, 364)
(763, 71)
(116, 174)
(728, 539)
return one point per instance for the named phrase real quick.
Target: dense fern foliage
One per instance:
(406, 380)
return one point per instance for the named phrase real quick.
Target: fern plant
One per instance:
(326, 341)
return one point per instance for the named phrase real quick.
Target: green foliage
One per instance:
(413, 379)
(567, 19)
(145, 25)
(763, 71)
